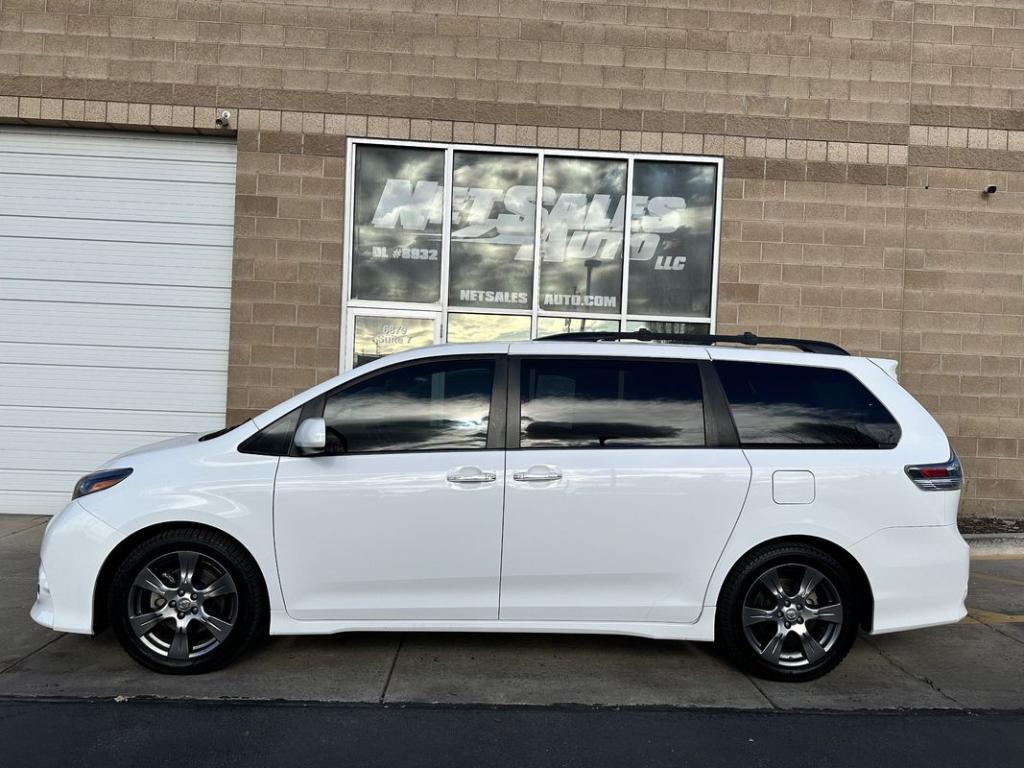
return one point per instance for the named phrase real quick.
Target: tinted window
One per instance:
(396, 224)
(586, 403)
(437, 406)
(795, 405)
(274, 439)
(581, 234)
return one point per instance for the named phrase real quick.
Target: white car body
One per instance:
(630, 541)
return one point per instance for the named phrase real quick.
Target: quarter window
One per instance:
(587, 403)
(793, 406)
(435, 406)
(274, 439)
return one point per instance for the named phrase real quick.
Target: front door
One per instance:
(616, 509)
(400, 519)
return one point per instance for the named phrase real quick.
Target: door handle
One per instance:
(540, 473)
(471, 475)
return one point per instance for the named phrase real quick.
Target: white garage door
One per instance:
(115, 289)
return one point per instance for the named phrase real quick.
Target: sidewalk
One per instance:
(975, 665)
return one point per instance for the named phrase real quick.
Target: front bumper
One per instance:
(918, 576)
(74, 548)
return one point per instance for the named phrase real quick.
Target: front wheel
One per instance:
(186, 601)
(787, 612)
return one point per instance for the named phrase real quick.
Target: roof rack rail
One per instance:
(750, 339)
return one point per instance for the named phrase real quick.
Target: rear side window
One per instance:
(594, 403)
(795, 406)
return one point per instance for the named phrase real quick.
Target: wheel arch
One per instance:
(100, 619)
(866, 598)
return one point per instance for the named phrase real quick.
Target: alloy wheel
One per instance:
(182, 605)
(792, 615)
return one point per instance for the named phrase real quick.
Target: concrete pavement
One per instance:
(975, 665)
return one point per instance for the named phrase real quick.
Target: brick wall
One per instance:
(857, 135)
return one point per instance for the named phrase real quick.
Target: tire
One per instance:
(795, 635)
(186, 601)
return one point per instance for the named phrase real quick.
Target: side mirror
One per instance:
(311, 436)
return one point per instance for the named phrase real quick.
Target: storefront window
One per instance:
(493, 211)
(379, 336)
(396, 227)
(549, 326)
(663, 327)
(475, 243)
(672, 238)
(466, 327)
(581, 235)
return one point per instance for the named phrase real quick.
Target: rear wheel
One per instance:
(787, 612)
(186, 601)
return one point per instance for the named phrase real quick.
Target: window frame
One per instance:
(496, 418)
(442, 308)
(719, 430)
(808, 446)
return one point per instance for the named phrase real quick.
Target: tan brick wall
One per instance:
(857, 136)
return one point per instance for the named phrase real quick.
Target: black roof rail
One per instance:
(750, 339)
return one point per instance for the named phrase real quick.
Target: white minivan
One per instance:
(773, 501)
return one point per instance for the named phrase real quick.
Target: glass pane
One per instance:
(436, 406)
(548, 326)
(582, 231)
(493, 213)
(587, 403)
(799, 405)
(274, 439)
(664, 326)
(672, 238)
(464, 327)
(379, 336)
(396, 225)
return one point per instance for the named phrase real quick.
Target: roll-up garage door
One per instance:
(115, 291)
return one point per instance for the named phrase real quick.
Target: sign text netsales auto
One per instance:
(574, 225)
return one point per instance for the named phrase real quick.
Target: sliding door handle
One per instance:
(471, 475)
(541, 473)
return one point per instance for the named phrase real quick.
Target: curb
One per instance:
(995, 544)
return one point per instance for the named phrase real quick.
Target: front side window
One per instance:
(794, 406)
(594, 403)
(434, 406)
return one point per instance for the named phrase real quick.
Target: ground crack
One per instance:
(921, 678)
(763, 692)
(391, 671)
(995, 628)
(23, 530)
(29, 655)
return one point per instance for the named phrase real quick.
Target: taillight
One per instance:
(947, 476)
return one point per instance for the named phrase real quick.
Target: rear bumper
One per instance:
(918, 576)
(73, 551)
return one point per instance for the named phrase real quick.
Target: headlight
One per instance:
(99, 481)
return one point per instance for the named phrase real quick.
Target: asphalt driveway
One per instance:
(975, 665)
